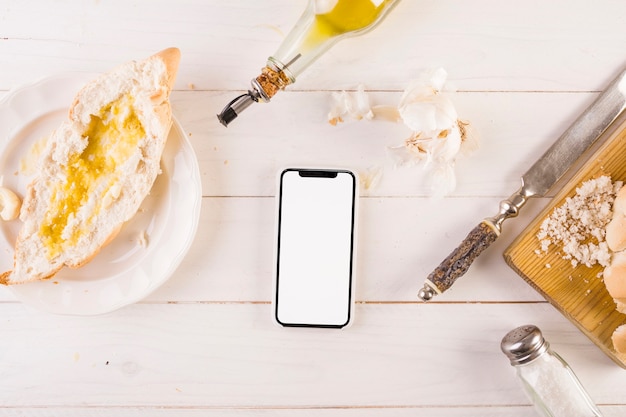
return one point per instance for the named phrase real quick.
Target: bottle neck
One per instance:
(273, 78)
(319, 28)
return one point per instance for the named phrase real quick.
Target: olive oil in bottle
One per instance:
(323, 23)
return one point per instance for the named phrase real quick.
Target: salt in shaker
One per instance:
(548, 380)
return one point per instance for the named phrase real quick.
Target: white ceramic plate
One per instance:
(127, 269)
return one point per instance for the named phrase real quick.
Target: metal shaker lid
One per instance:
(524, 344)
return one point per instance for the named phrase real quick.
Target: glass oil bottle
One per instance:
(323, 23)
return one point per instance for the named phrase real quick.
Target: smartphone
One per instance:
(315, 247)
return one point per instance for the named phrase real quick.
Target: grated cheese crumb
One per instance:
(579, 224)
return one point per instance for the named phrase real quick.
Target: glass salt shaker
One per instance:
(548, 380)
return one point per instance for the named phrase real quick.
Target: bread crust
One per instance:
(93, 254)
(619, 339)
(148, 84)
(616, 229)
(171, 59)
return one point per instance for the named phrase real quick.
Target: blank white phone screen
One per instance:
(315, 247)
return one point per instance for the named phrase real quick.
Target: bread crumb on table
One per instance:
(578, 226)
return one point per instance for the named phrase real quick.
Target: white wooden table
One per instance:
(204, 343)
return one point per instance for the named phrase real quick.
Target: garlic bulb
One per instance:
(437, 135)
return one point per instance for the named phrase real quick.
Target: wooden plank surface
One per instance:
(231, 355)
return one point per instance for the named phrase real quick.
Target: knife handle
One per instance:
(479, 239)
(459, 261)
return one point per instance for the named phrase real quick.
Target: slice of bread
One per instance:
(615, 274)
(96, 169)
(619, 340)
(616, 229)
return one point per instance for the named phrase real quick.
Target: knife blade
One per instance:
(536, 182)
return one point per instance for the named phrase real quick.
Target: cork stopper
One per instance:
(524, 344)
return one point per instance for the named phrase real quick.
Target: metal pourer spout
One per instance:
(240, 103)
(236, 106)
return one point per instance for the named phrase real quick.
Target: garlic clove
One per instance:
(350, 105)
(10, 204)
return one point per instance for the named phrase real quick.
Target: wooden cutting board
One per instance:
(577, 292)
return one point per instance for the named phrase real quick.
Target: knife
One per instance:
(536, 182)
